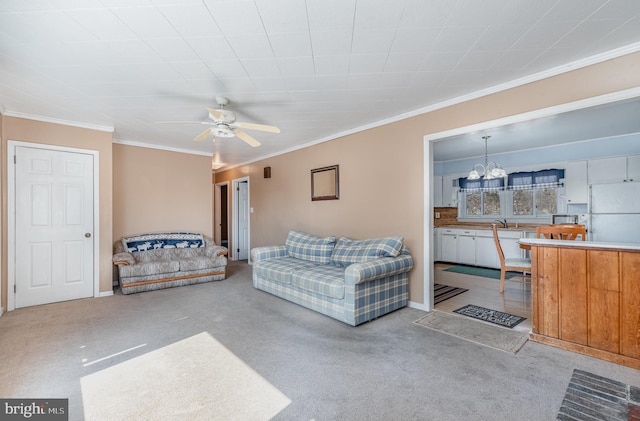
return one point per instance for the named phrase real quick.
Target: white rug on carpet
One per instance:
(468, 329)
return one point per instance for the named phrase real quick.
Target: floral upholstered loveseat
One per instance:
(155, 261)
(350, 280)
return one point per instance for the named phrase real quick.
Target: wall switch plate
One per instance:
(437, 215)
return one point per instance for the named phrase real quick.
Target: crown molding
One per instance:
(162, 148)
(555, 71)
(9, 113)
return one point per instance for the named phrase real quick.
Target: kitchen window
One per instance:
(534, 194)
(481, 197)
(525, 195)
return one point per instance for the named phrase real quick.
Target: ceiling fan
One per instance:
(223, 124)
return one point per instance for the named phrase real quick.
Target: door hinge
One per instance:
(238, 250)
(14, 159)
(14, 288)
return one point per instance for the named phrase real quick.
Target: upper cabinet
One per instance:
(633, 168)
(449, 191)
(576, 189)
(613, 170)
(437, 191)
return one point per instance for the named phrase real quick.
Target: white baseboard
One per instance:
(105, 294)
(418, 306)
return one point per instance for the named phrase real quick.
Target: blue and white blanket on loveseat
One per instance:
(148, 242)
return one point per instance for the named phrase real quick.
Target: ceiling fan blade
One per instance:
(182, 122)
(261, 127)
(216, 114)
(203, 135)
(244, 136)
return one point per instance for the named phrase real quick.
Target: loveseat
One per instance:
(352, 281)
(155, 261)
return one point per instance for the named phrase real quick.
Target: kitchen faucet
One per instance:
(503, 222)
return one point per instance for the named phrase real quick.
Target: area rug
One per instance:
(491, 316)
(473, 331)
(593, 397)
(478, 271)
(444, 292)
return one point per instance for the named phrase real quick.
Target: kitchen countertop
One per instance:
(488, 227)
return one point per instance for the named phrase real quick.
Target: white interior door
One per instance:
(53, 226)
(243, 221)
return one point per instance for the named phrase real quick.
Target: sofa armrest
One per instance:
(268, 252)
(382, 267)
(214, 251)
(123, 259)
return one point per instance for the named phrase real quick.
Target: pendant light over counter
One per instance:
(489, 170)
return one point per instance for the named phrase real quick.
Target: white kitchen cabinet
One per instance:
(576, 188)
(437, 191)
(467, 247)
(449, 191)
(476, 247)
(509, 243)
(486, 253)
(607, 170)
(437, 244)
(633, 168)
(449, 245)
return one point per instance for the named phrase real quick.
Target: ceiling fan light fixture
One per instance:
(222, 130)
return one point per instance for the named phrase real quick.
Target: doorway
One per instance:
(222, 214)
(52, 253)
(240, 219)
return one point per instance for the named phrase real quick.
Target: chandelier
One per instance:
(489, 170)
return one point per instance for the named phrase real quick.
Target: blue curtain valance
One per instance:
(515, 181)
(535, 179)
(481, 184)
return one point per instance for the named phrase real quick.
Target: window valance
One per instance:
(535, 179)
(516, 181)
(479, 185)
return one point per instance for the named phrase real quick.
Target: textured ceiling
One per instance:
(314, 68)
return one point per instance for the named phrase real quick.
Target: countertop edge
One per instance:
(579, 244)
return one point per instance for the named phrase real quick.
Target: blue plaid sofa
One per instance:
(353, 281)
(149, 262)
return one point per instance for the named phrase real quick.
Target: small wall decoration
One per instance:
(325, 183)
(267, 172)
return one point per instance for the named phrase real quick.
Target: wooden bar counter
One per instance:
(586, 298)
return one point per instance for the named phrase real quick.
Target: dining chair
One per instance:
(562, 232)
(510, 264)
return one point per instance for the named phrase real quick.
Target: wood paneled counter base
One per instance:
(586, 298)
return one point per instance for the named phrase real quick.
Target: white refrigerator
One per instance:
(614, 212)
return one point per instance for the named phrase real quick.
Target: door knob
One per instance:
(87, 234)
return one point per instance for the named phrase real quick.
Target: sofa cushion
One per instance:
(280, 269)
(149, 268)
(327, 280)
(147, 242)
(310, 247)
(348, 251)
(201, 262)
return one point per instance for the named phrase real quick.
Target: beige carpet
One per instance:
(475, 331)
